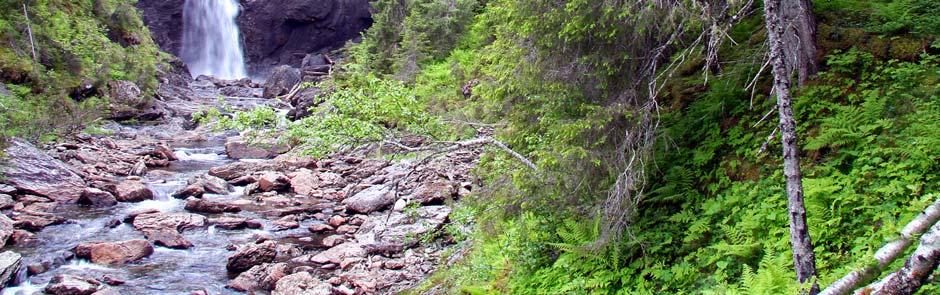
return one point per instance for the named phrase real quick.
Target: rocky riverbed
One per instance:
(169, 207)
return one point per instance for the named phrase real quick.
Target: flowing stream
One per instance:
(211, 43)
(167, 271)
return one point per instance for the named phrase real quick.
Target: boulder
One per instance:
(169, 221)
(114, 252)
(336, 254)
(211, 207)
(72, 285)
(319, 228)
(304, 182)
(435, 192)
(6, 230)
(239, 169)
(237, 91)
(97, 198)
(124, 99)
(239, 148)
(10, 264)
(132, 191)
(403, 228)
(273, 181)
(282, 80)
(301, 283)
(303, 101)
(250, 255)
(35, 221)
(259, 277)
(228, 222)
(31, 171)
(370, 199)
(6, 201)
(163, 229)
(167, 238)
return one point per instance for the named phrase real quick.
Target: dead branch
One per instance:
(29, 29)
(889, 252)
(916, 270)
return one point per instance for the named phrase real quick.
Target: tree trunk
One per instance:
(887, 254)
(799, 37)
(804, 259)
(916, 270)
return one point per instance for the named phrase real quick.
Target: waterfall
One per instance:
(211, 44)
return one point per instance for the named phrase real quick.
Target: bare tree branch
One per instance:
(916, 271)
(888, 253)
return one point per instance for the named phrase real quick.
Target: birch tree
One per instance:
(804, 258)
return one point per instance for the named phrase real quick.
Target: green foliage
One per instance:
(76, 43)
(555, 80)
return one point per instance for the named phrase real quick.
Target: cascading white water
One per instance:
(210, 39)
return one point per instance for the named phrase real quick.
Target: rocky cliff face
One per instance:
(274, 32)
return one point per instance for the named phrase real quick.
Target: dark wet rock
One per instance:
(250, 255)
(22, 238)
(371, 199)
(303, 101)
(229, 222)
(239, 148)
(281, 81)
(72, 285)
(259, 277)
(133, 215)
(326, 24)
(114, 252)
(302, 283)
(132, 191)
(32, 171)
(10, 264)
(435, 192)
(401, 227)
(97, 198)
(162, 151)
(273, 181)
(211, 207)
(240, 169)
(164, 18)
(6, 230)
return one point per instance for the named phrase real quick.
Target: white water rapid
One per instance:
(211, 44)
